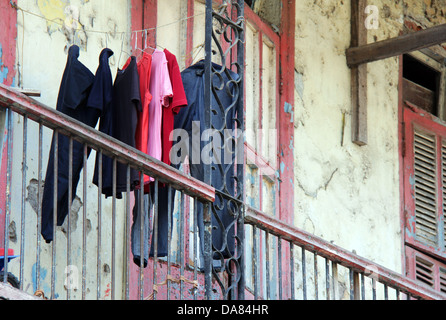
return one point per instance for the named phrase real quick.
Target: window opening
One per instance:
(421, 84)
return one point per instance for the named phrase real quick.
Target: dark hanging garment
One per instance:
(120, 123)
(77, 86)
(194, 86)
(101, 93)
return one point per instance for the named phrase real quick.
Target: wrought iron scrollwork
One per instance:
(224, 114)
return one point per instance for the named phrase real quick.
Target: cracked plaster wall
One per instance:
(344, 193)
(349, 195)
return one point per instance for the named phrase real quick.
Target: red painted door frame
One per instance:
(286, 131)
(286, 118)
(8, 35)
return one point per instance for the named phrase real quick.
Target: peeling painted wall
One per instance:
(270, 11)
(344, 193)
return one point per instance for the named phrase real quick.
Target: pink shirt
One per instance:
(161, 90)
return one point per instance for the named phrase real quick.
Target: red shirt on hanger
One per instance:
(177, 102)
(144, 71)
(142, 127)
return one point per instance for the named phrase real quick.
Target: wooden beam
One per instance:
(29, 92)
(359, 75)
(361, 54)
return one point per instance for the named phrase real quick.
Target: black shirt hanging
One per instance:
(77, 86)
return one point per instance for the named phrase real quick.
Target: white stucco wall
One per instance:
(344, 193)
(42, 46)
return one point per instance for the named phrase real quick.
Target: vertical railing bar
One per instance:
(207, 214)
(141, 236)
(386, 292)
(334, 272)
(195, 217)
(363, 286)
(113, 253)
(304, 274)
(268, 296)
(327, 278)
(279, 253)
(293, 297)
(373, 289)
(352, 291)
(127, 235)
(182, 247)
(23, 212)
(207, 252)
(186, 222)
(255, 261)
(241, 285)
(169, 237)
(397, 293)
(70, 196)
(316, 277)
(8, 194)
(84, 224)
(356, 286)
(54, 242)
(261, 263)
(232, 269)
(39, 207)
(99, 248)
(229, 290)
(155, 239)
(240, 158)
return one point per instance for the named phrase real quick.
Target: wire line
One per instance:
(57, 21)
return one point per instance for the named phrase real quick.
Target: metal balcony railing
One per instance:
(89, 257)
(281, 261)
(289, 263)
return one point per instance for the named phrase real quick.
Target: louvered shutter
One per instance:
(424, 271)
(427, 270)
(425, 182)
(425, 187)
(443, 179)
(443, 279)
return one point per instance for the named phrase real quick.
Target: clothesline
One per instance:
(61, 23)
(133, 34)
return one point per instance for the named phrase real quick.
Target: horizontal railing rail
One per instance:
(279, 264)
(358, 268)
(34, 110)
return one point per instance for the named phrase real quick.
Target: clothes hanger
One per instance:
(122, 50)
(146, 46)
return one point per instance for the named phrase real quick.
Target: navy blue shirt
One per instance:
(225, 105)
(76, 98)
